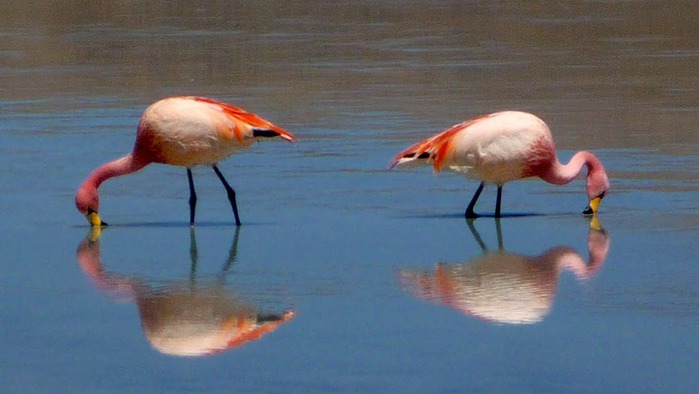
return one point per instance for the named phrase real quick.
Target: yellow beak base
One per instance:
(94, 219)
(593, 206)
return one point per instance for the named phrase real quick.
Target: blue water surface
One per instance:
(388, 287)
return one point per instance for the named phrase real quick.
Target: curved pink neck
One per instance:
(118, 167)
(561, 174)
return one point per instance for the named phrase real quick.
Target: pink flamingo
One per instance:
(182, 131)
(502, 147)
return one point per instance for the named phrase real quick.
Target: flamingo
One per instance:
(502, 147)
(182, 131)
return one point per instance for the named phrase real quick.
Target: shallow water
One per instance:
(379, 282)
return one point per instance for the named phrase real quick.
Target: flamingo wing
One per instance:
(260, 127)
(435, 148)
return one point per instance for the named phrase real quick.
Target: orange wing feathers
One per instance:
(437, 147)
(253, 120)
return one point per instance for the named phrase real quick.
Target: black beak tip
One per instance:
(588, 211)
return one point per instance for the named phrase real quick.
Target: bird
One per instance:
(502, 147)
(184, 131)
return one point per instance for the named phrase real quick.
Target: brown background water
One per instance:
(328, 231)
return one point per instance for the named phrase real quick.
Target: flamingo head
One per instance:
(87, 201)
(597, 186)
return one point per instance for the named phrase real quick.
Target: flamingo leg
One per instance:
(192, 197)
(469, 210)
(497, 202)
(231, 194)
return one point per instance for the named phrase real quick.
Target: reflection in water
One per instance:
(506, 287)
(184, 318)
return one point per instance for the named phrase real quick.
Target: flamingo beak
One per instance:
(94, 219)
(593, 206)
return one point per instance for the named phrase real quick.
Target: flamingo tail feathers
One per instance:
(410, 158)
(431, 150)
(275, 132)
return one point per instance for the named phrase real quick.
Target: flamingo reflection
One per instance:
(505, 287)
(184, 318)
